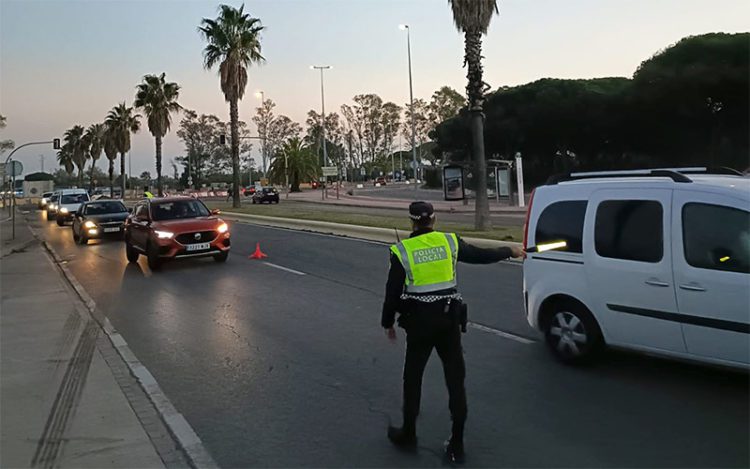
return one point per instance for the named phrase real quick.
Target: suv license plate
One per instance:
(198, 247)
(111, 230)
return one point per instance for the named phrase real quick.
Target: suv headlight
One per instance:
(89, 224)
(164, 234)
(223, 228)
(64, 210)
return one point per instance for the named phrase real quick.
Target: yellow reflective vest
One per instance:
(429, 261)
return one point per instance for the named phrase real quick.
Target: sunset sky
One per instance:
(68, 62)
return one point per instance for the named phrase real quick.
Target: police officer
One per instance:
(421, 287)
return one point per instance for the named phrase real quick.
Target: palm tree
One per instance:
(78, 149)
(122, 121)
(472, 17)
(301, 160)
(158, 99)
(234, 43)
(110, 151)
(94, 137)
(65, 159)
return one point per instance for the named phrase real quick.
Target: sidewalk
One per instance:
(61, 400)
(314, 196)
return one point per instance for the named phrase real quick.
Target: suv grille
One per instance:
(189, 238)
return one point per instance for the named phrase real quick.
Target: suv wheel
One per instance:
(222, 257)
(130, 251)
(49, 216)
(572, 333)
(76, 238)
(152, 254)
(60, 222)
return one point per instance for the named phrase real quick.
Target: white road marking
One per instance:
(499, 333)
(285, 269)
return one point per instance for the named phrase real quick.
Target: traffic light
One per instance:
(222, 139)
(56, 143)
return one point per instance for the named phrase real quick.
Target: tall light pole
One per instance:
(323, 109)
(411, 106)
(262, 95)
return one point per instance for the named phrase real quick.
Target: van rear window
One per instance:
(562, 221)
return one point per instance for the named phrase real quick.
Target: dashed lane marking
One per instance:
(285, 269)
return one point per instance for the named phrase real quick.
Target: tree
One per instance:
(65, 159)
(354, 131)
(122, 121)
(78, 149)
(158, 100)
(109, 143)
(445, 103)
(302, 164)
(5, 145)
(422, 125)
(262, 119)
(282, 130)
(472, 17)
(234, 43)
(95, 141)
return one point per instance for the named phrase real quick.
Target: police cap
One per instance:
(421, 211)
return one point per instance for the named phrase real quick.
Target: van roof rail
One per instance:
(641, 173)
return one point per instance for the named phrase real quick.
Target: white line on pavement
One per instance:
(497, 332)
(286, 269)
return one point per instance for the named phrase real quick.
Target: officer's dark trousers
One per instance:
(428, 326)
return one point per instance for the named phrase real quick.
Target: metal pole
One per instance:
(130, 172)
(286, 173)
(13, 201)
(411, 104)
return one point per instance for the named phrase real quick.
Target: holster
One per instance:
(458, 312)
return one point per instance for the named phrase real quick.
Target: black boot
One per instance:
(454, 448)
(404, 437)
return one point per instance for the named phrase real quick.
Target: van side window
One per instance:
(716, 237)
(630, 230)
(562, 221)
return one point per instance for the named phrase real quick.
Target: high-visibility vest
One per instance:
(148, 195)
(429, 261)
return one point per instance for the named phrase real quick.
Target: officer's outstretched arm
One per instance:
(475, 255)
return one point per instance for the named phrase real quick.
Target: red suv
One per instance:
(175, 228)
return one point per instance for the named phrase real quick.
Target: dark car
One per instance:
(97, 219)
(266, 194)
(380, 180)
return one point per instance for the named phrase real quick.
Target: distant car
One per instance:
(44, 200)
(314, 184)
(654, 260)
(249, 191)
(266, 194)
(18, 193)
(67, 206)
(173, 228)
(96, 219)
(380, 180)
(52, 206)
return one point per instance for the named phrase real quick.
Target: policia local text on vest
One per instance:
(421, 288)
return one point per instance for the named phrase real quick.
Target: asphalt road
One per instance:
(276, 367)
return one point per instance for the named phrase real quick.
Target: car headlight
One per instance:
(44, 201)
(64, 210)
(164, 234)
(223, 228)
(51, 206)
(89, 224)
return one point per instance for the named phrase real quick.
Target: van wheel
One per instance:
(130, 251)
(152, 254)
(572, 333)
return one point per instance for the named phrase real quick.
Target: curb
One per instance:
(401, 204)
(367, 233)
(181, 431)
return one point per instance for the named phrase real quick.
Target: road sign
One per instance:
(15, 169)
(330, 170)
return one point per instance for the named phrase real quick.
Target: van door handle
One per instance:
(656, 283)
(692, 287)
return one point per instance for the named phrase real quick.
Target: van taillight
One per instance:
(526, 224)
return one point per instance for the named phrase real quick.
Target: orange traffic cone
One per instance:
(258, 254)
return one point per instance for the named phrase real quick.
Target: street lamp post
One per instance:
(323, 114)
(262, 95)
(411, 106)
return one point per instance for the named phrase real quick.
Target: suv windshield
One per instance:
(179, 209)
(100, 208)
(74, 198)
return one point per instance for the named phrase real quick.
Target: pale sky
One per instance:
(69, 62)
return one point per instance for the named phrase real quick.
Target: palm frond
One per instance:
(473, 15)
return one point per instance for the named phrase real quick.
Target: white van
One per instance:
(68, 203)
(656, 261)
